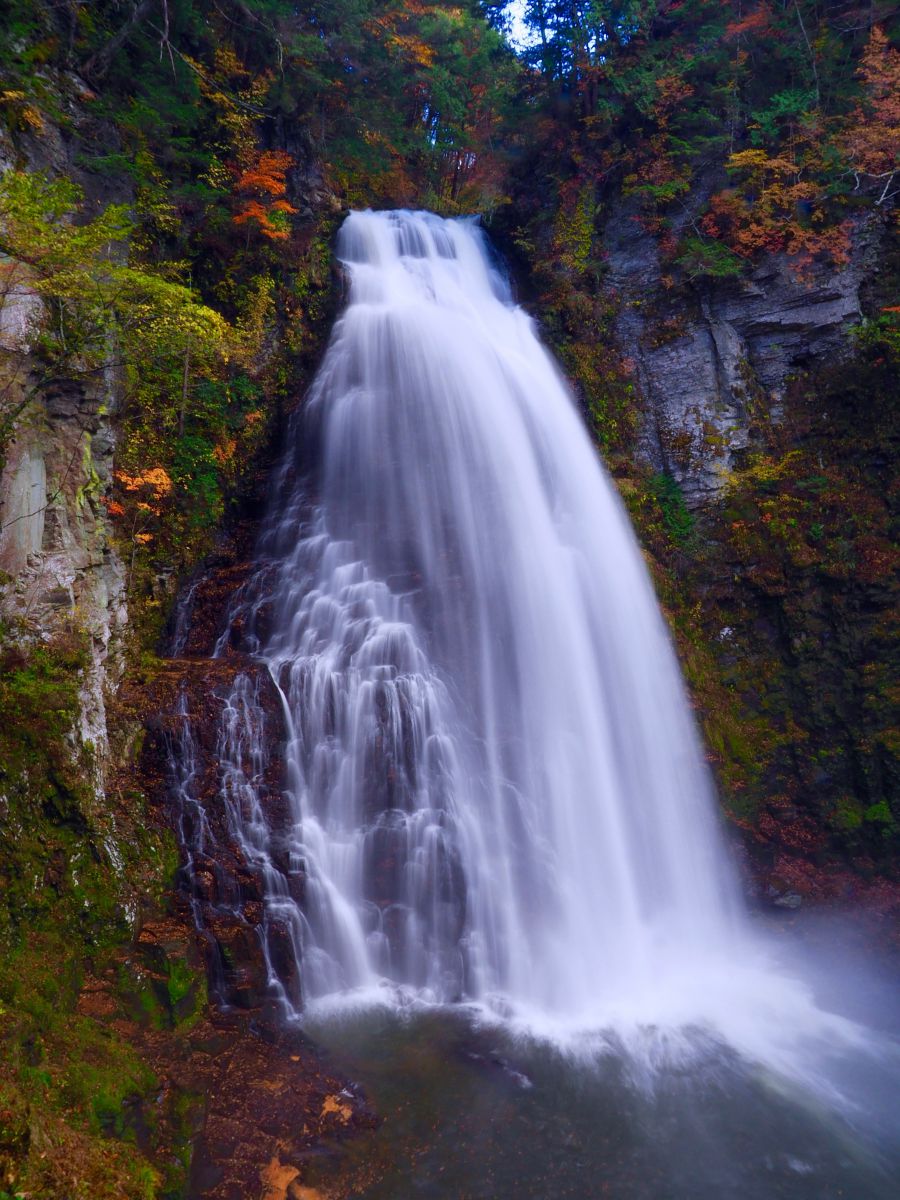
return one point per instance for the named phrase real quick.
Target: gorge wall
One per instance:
(779, 432)
(711, 358)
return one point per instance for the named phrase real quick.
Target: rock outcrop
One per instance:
(705, 361)
(60, 570)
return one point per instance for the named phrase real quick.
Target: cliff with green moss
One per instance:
(704, 222)
(697, 202)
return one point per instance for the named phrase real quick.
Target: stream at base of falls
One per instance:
(472, 1110)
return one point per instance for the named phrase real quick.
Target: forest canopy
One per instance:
(241, 128)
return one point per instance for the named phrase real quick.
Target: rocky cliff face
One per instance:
(779, 430)
(710, 357)
(61, 570)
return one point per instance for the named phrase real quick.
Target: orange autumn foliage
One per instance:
(872, 140)
(397, 29)
(672, 92)
(157, 478)
(223, 453)
(268, 175)
(757, 22)
(774, 208)
(262, 189)
(153, 485)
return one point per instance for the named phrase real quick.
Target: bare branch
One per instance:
(164, 42)
(99, 62)
(250, 108)
(884, 195)
(812, 53)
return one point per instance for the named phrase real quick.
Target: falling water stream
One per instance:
(496, 797)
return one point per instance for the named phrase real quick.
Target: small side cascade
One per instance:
(237, 876)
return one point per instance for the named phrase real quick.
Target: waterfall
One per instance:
(493, 788)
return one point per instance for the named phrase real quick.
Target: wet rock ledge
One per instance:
(262, 1101)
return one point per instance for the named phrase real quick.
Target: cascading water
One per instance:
(495, 781)
(494, 788)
